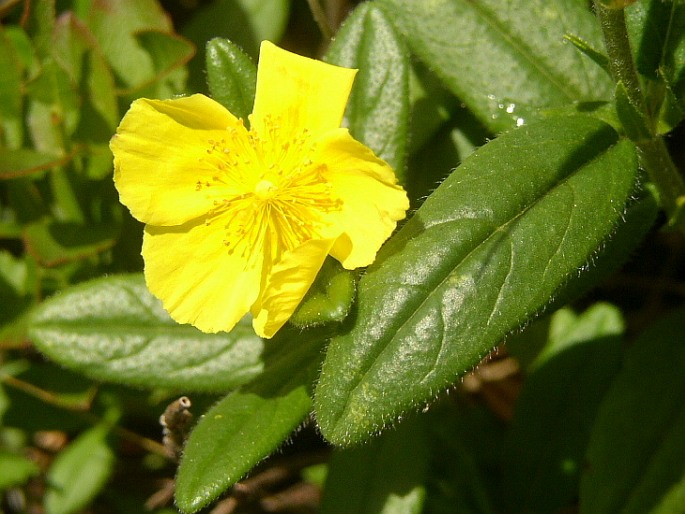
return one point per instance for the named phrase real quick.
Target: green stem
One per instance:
(621, 64)
(654, 156)
(320, 17)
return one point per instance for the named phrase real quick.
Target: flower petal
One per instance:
(372, 200)
(190, 269)
(286, 285)
(160, 154)
(299, 92)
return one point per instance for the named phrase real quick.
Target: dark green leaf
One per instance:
(499, 63)
(244, 22)
(383, 477)
(50, 394)
(635, 463)
(231, 77)
(249, 424)
(543, 456)
(656, 29)
(378, 110)
(638, 218)
(17, 163)
(79, 472)
(52, 243)
(481, 257)
(113, 329)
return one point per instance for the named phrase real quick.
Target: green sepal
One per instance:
(330, 297)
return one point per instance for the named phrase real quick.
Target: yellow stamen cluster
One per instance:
(269, 194)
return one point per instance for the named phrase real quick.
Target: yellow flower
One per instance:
(240, 220)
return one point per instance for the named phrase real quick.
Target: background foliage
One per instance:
(516, 347)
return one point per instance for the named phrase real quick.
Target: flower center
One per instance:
(267, 193)
(265, 190)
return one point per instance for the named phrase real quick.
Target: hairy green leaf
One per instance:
(113, 329)
(378, 111)
(483, 255)
(250, 423)
(231, 77)
(498, 62)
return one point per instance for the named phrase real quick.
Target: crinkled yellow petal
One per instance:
(286, 285)
(160, 154)
(190, 269)
(299, 93)
(372, 201)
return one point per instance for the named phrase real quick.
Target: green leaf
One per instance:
(21, 162)
(79, 472)
(50, 394)
(633, 122)
(52, 243)
(17, 285)
(543, 456)
(168, 51)
(116, 26)
(638, 218)
(244, 22)
(330, 297)
(113, 329)
(599, 58)
(483, 255)
(499, 63)
(656, 30)
(10, 94)
(378, 110)
(250, 423)
(231, 77)
(383, 477)
(634, 463)
(15, 470)
(80, 57)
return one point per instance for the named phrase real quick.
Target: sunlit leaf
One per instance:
(113, 329)
(498, 61)
(485, 253)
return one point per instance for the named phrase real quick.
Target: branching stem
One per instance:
(654, 156)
